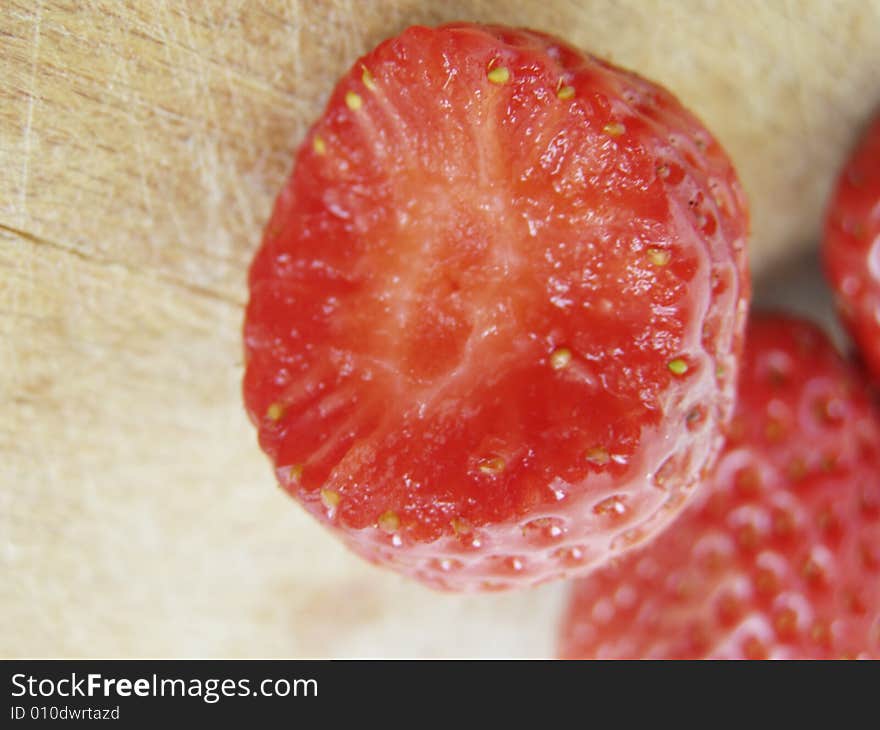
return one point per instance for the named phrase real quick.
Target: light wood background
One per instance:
(141, 145)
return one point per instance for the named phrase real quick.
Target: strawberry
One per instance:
(495, 319)
(851, 247)
(780, 555)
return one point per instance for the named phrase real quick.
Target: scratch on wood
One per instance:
(200, 291)
(128, 96)
(29, 120)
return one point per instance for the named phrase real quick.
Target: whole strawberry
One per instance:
(495, 319)
(852, 245)
(780, 556)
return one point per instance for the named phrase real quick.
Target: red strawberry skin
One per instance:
(851, 248)
(780, 556)
(495, 320)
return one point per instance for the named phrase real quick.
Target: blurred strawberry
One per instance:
(780, 557)
(852, 245)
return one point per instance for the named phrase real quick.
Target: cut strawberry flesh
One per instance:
(473, 281)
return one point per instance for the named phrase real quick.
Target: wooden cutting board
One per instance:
(141, 146)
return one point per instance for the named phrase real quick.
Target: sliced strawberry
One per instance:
(780, 556)
(494, 322)
(851, 247)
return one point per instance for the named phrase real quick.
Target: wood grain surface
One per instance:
(141, 146)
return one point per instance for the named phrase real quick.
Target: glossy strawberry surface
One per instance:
(780, 556)
(495, 318)
(852, 245)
